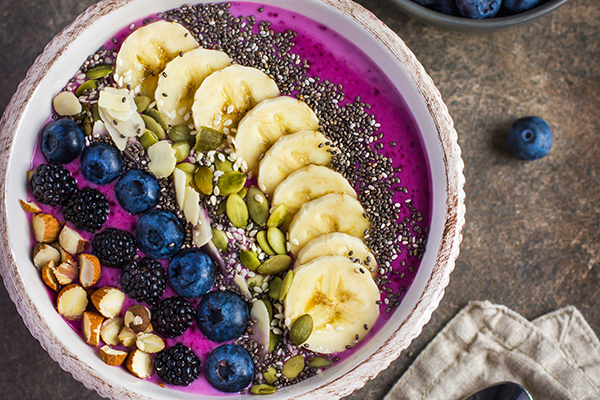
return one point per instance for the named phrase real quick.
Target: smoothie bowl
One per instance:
(228, 199)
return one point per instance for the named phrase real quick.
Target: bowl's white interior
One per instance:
(87, 42)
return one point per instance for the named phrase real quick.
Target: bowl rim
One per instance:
(409, 329)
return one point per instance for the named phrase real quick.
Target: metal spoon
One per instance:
(502, 391)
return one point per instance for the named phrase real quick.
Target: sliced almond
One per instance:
(127, 337)
(45, 228)
(66, 273)
(139, 364)
(72, 241)
(110, 329)
(108, 301)
(149, 342)
(42, 253)
(137, 318)
(30, 207)
(92, 321)
(30, 173)
(89, 270)
(64, 256)
(48, 276)
(112, 356)
(72, 302)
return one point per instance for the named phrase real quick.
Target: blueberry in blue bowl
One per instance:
(101, 163)
(62, 141)
(517, 6)
(529, 138)
(229, 368)
(222, 316)
(159, 234)
(192, 273)
(478, 9)
(137, 191)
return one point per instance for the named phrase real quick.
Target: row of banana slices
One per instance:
(278, 138)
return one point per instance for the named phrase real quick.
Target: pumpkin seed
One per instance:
(158, 117)
(231, 182)
(278, 216)
(87, 126)
(220, 239)
(263, 242)
(262, 389)
(203, 178)
(224, 166)
(276, 240)
(267, 303)
(249, 260)
(242, 193)
(178, 133)
(256, 280)
(285, 286)
(258, 206)
(182, 150)
(221, 208)
(273, 341)
(275, 265)
(208, 139)
(99, 71)
(301, 329)
(270, 376)
(187, 167)
(87, 85)
(275, 287)
(293, 367)
(95, 113)
(142, 103)
(154, 126)
(237, 212)
(319, 362)
(148, 139)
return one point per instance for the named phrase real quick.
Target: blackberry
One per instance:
(87, 209)
(172, 316)
(144, 280)
(177, 365)
(114, 247)
(52, 184)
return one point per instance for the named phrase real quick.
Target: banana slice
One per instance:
(178, 83)
(225, 96)
(267, 122)
(337, 244)
(340, 299)
(306, 184)
(330, 213)
(290, 153)
(146, 52)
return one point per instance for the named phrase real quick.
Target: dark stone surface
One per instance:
(532, 239)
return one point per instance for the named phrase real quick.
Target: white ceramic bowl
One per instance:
(31, 104)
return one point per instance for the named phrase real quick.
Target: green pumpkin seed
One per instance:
(293, 367)
(224, 166)
(285, 286)
(249, 260)
(87, 126)
(187, 167)
(268, 305)
(158, 117)
(319, 362)
(301, 329)
(208, 139)
(203, 178)
(220, 239)
(262, 389)
(87, 85)
(270, 376)
(242, 193)
(154, 126)
(275, 287)
(275, 265)
(182, 150)
(273, 341)
(263, 242)
(99, 71)
(222, 207)
(142, 103)
(258, 206)
(178, 133)
(231, 182)
(95, 113)
(148, 139)
(278, 216)
(276, 240)
(256, 280)
(237, 212)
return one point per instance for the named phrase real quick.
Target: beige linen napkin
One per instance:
(556, 356)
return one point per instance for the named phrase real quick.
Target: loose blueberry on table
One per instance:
(529, 138)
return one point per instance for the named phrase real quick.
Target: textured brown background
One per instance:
(532, 237)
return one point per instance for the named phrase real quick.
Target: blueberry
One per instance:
(443, 6)
(101, 163)
(159, 234)
(137, 191)
(517, 6)
(192, 273)
(529, 138)
(62, 141)
(229, 368)
(222, 316)
(478, 9)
